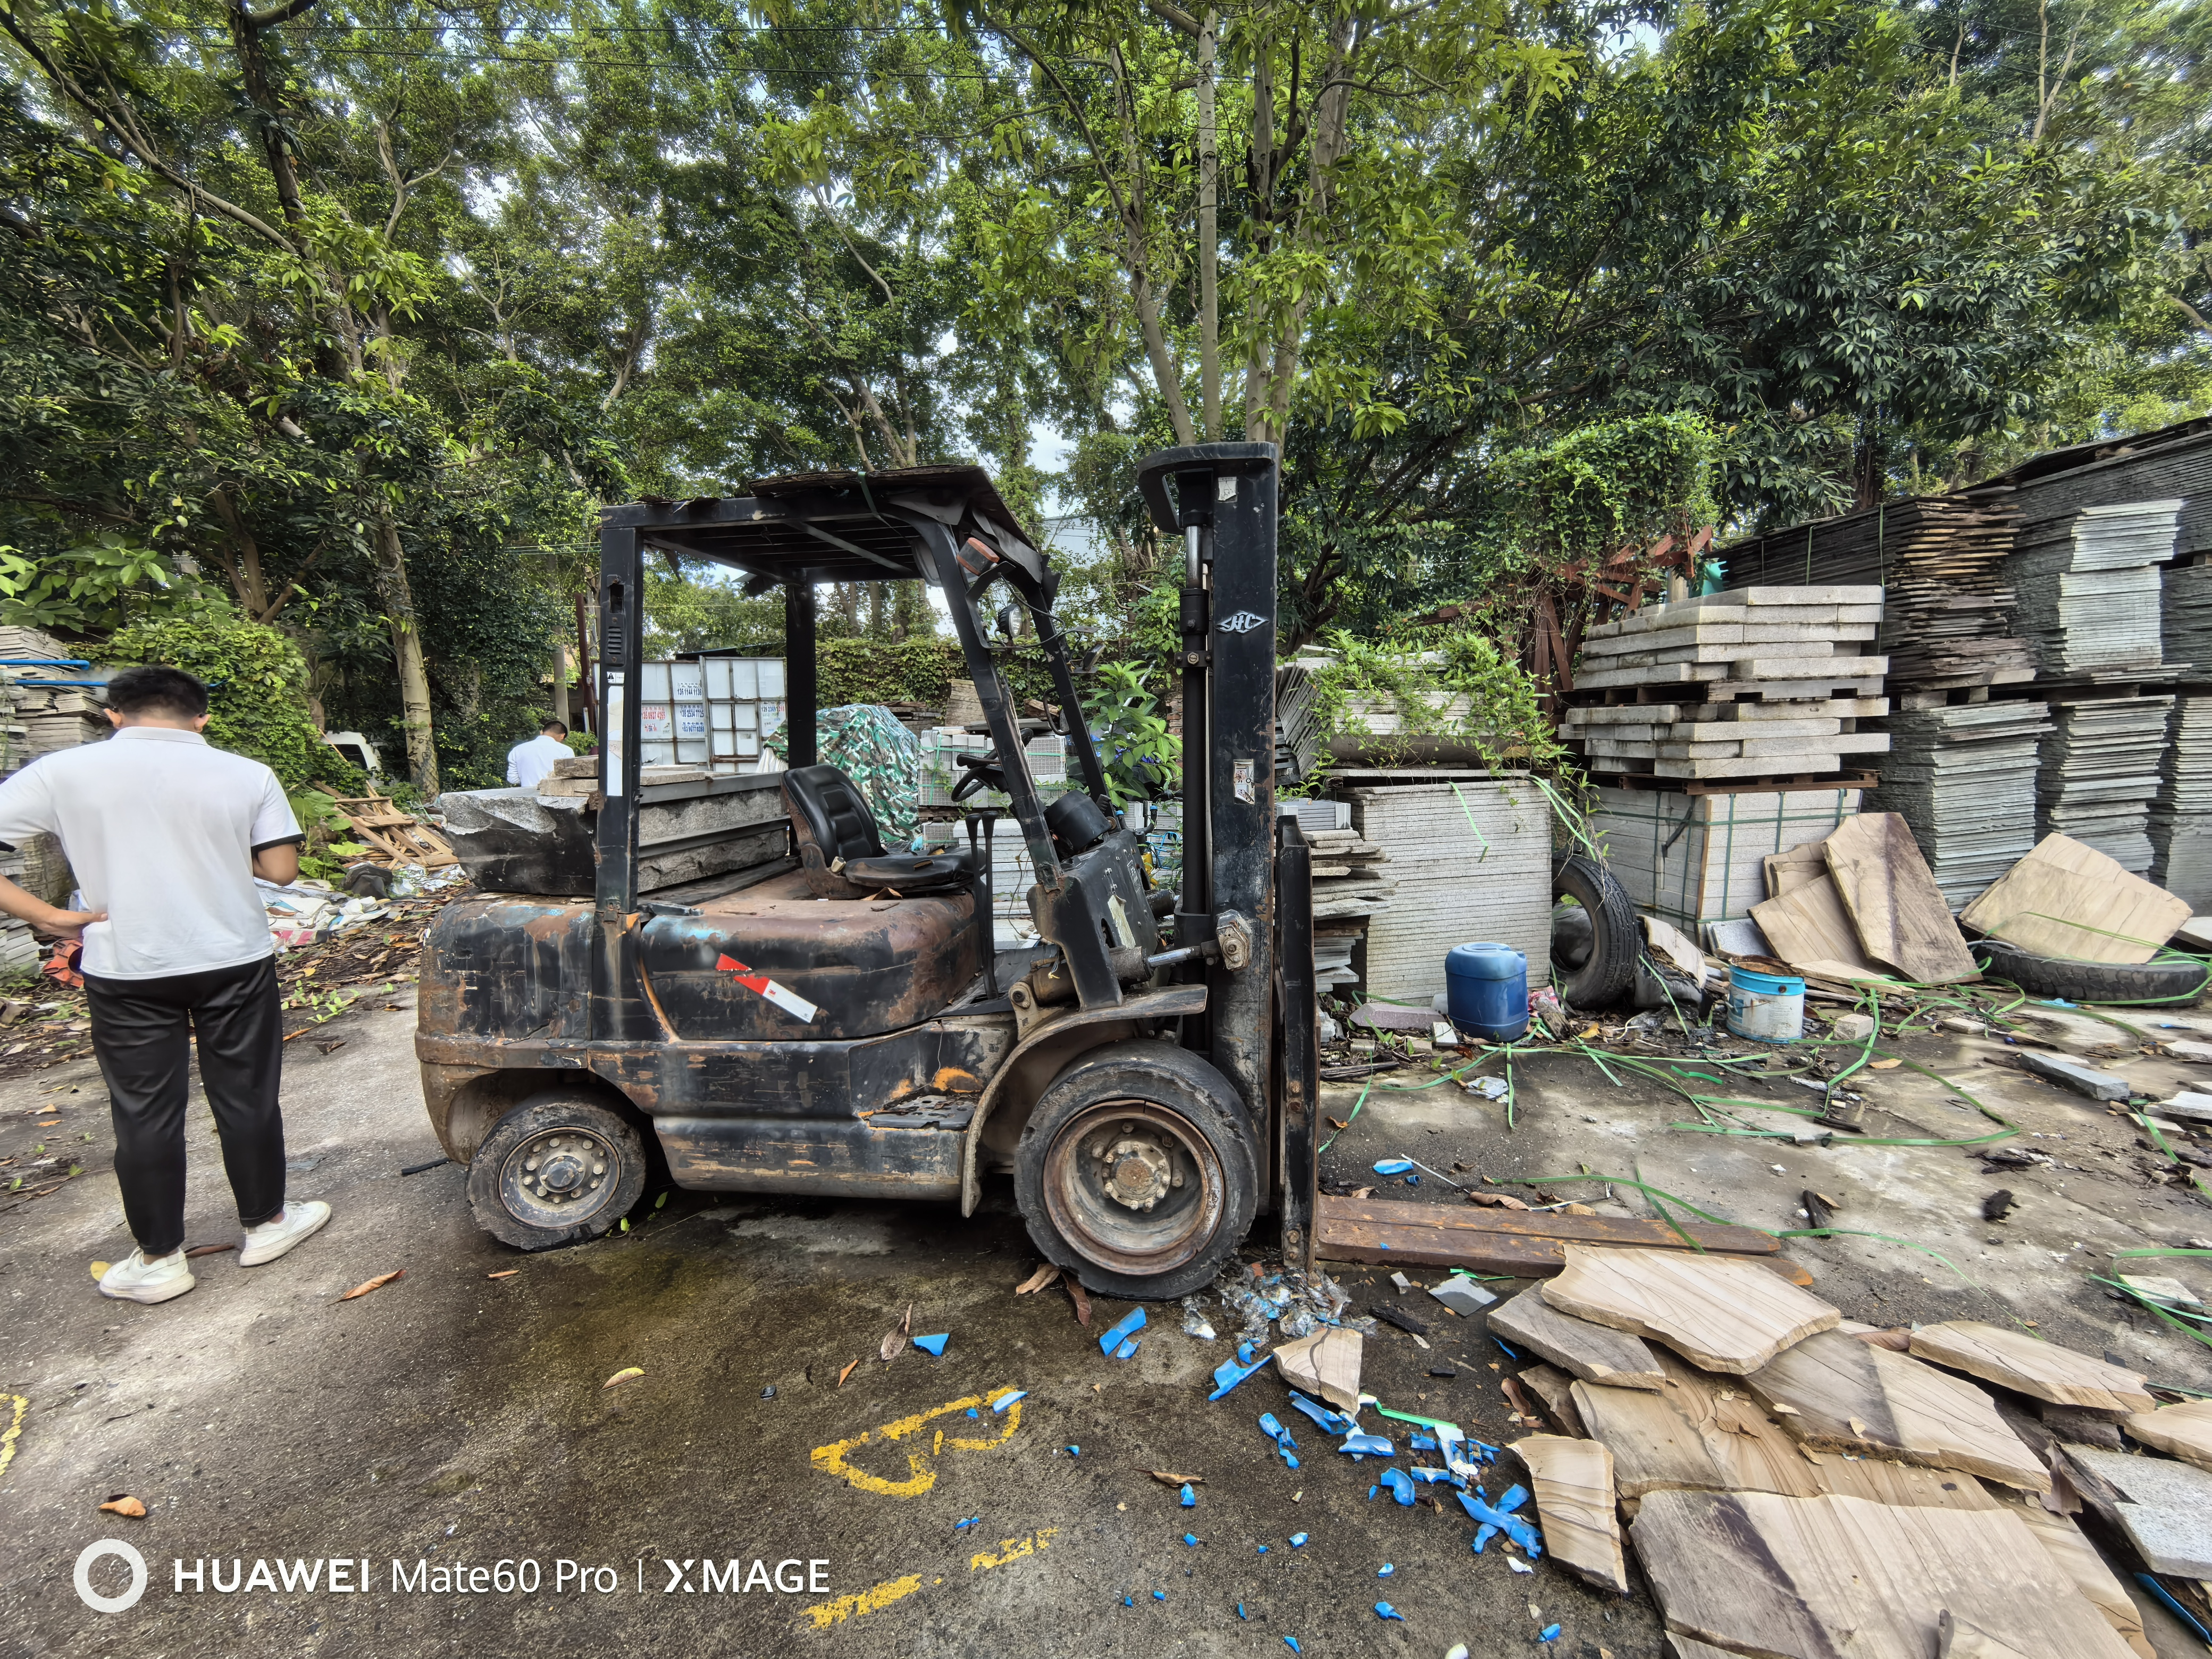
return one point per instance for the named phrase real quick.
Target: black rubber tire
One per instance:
(542, 1115)
(1607, 973)
(1165, 1077)
(2169, 980)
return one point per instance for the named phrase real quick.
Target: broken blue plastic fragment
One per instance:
(972, 1411)
(1367, 1445)
(1429, 1477)
(1549, 1634)
(1386, 1570)
(1400, 1487)
(1075, 1451)
(1371, 1490)
(933, 1346)
(1275, 1431)
(1512, 1525)
(1229, 1373)
(1508, 1353)
(1422, 1442)
(1010, 1398)
(1127, 1350)
(972, 1521)
(1394, 1166)
(1263, 1549)
(1483, 1535)
(1384, 1610)
(1131, 1323)
(1128, 1601)
(1514, 1498)
(1413, 1181)
(1331, 1422)
(1245, 1350)
(1297, 1541)
(1160, 1595)
(1292, 1643)
(1191, 1539)
(1240, 1613)
(1189, 1498)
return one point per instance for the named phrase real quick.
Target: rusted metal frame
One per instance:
(1175, 1002)
(998, 702)
(619, 1008)
(1299, 1044)
(801, 686)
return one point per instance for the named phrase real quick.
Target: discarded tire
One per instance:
(2168, 980)
(1593, 955)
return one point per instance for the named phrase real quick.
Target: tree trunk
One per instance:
(1263, 200)
(1209, 238)
(561, 681)
(396, 596)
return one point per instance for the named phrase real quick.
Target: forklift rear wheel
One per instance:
(1136, 1170)
(557, 1170)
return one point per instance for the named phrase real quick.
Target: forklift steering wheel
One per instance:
(983, 773)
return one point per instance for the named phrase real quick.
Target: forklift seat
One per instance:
(841, 851)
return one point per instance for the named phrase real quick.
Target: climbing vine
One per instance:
(1452, 684)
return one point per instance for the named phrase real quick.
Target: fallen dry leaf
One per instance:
(48, 1122)
(1497, 1200)
(1884, 1065)
(1362, 1192)
(1577, 1209)
(846, 1372)
(1082, 1302)
(1174, 1479)
(1338, 1123)
(895, 1339)
(624, 1376)
(207, 1249)
(1038, 1280)
(508, 1272)
(101, 1267)
(377, 1283)
(124, 1504)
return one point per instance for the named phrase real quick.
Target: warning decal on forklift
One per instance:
(790, 1001)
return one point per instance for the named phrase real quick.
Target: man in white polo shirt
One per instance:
(166, 836)
(527, 763)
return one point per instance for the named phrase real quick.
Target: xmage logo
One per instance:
(99, 1550)
(1242, 622)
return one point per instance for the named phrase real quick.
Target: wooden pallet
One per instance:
(1526, 1244)
(392, 837)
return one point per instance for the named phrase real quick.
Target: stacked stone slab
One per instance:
(2181, 816)
(2099, 773)
(1963, 778)
(1757, 682)
(1469, 862)
(2089, 589)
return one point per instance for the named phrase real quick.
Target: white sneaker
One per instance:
(134, 1279)
(272, 1238)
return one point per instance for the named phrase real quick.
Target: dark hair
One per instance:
(157, 690)
(554, 726)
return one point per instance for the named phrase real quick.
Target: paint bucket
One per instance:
(1766, 1007)
(1486, 989)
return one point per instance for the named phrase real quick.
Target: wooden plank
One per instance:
(1715, 1311)
(1835, 1393)
(1703, 1433)
(1807, 926)
(2066, 899)
(1595, 1353)
(1360, 1229)
(1573, 1228)
(1824, 1577)
(1572, 1481)
(2184, 1431)
(2028, 1365)
(1893, 901)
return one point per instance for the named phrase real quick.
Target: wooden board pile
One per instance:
(2089, 588)
(1468, 860)
(2181, 816)
(1964, 777)
(1795, 1484)
(2099, 773)
(1862, 904)
(1759, 682)
(392, 837)
(1947, 620)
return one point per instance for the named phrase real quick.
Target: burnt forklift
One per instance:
(845, 1028)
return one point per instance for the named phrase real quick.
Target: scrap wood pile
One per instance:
(392, 837)
(1761, 682)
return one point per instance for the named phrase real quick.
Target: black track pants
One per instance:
(140, 1031)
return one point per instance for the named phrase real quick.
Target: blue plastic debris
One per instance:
(1189, 1498)
(1514, 1498)
(1160, 1595)
(1075, 1451)
(1240, 1613)
(972, 1521)
(1263, 1549)
(1331, 1422)
(1371, 1490)
(1245, 1352)
(972, 1411)
(1394, 1166)
(2149, 1581)
(1512, 1525)
(1367, 1445)
(1297, 1541)
(1131, 1323)
(1292, 1643)
(1549, 1634)
(933, 1346)
(1127, 1350)
(1413, 1181)
(1230, 1372)
(1384, 1610)
(1386, 1570)
(1400, 1487)
(1009, 1399)
(1483, 1535)
(1128, 1601)
(1275, 1431)
(1507, 1352)
(1191, 1539)
(1422, 1442)
(1429, 1477)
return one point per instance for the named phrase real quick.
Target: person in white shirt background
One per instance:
(527, 763)
(165, 834)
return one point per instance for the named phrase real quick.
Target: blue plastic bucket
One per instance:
(1766, 1007)
(1486, 990)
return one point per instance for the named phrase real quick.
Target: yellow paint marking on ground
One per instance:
(833, 1458)
(15, 1429)
(826, 1614)
(1011, 1550)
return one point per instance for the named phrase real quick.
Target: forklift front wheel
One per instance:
(557, 1170)
(1136, 1171)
